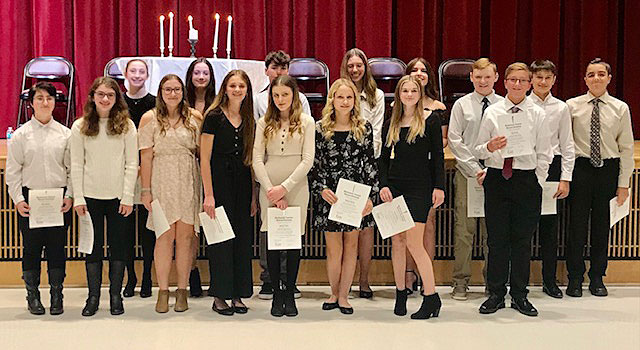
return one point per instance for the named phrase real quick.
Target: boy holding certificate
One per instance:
(517, 166)
(558, 120)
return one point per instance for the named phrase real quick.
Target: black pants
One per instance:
(273, 265)
(146, 237)
(117, 230)
(512, 210)
(52, 239)
(548, 231)
(230, 262)
(591, 190)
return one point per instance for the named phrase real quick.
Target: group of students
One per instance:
(193, 150)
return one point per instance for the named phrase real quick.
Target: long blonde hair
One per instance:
(328, 121)
(184, 112)
(272, 116)
(369, 85)
(417, 121)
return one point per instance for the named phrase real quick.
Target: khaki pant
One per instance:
(464, 230)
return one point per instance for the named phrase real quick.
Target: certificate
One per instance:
(283, 230)
(392, 217)
(352, 198)
(475, 199)
(160, 223)
(85, 233)
(515, 127)
(616, 213)
(45, 208)
(217, 230)
(549, 204)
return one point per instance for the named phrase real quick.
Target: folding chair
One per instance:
(53, 69)
(387, 71)
(454, 80)
(312, 76)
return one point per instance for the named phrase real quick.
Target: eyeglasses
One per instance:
(168, 91)
(521, 81)
(100, 95)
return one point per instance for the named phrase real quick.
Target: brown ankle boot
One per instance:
(162, 305)
(181, 301)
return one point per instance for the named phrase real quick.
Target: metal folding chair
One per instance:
(454, 80)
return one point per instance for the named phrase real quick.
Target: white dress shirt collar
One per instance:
(478, 97)
(604, 97)
(539, 100)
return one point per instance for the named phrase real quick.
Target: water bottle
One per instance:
(9, 132)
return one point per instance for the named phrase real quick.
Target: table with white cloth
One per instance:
(161, 66)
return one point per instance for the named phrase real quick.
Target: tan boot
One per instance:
(181, 301)
(162, 305)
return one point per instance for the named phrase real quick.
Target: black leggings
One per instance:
(273, 265)
(117, 230)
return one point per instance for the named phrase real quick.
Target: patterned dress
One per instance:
(341, 157)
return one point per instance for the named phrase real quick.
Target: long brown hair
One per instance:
(246, 111)
(431, 89)
(184, 112)
(417, 121)
(328, 121)
(209, 90)
(118, 115)
(369, 85)
(272, 116)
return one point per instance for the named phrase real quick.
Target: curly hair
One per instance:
(328, 121)
(118, 123)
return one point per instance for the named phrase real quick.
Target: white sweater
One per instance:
(103, 166)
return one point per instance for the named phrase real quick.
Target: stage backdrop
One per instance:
(569, 32)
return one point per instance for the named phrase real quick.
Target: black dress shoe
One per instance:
(597, 288)
(346, 310)
(240, 309)
(224, 312)
(329, 306)
(523, 306)
(552, 290)
(491, 305)
(574, 289)
(366, 294)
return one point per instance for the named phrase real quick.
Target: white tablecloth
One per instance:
(161, 66)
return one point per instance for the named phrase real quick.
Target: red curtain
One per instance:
(90, 33)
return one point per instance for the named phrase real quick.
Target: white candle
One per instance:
(193, 33)
(170, 33)
(161, 35)
(215, 35)
(229, 19)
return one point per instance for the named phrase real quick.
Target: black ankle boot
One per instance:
(277, 304)
(32, 282)
(430, 307)
(195, 284)
(116, 275)
(56, 278)
(400, 309)
(132, 281)
(290, 308)
(94, 283)
(145, 286)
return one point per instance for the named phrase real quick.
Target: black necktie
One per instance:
(485, 104)
(594, 140)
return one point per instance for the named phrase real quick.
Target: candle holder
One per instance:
(161, 51)
(228, 54)
(170, 51)
(215, 52)
(193, 43)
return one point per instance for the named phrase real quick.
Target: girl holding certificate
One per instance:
(168, 142)
(227, 142)
(104, 168)
(344, 149)
(355, 67)
(283, 154)
(139, 102)
(201, 90)
(412, 165)
(421, 69)
(41, 143)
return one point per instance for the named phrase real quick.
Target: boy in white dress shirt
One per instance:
(513, 188)
(558, 120)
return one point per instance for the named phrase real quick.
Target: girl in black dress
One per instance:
(139, 102)
(412, 165)
(344, 149)
(201, 90)
(226, 148)
(421, 69)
